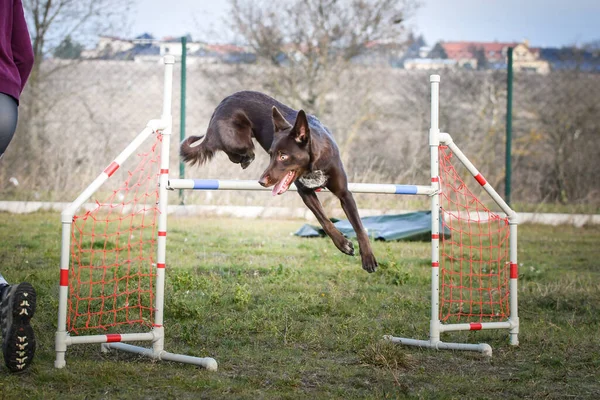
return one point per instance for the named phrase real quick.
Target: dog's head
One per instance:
(290, 152)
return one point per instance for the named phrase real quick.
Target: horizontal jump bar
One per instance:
(214, 184)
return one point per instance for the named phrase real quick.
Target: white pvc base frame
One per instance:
(162, 126)
(483, 348)
(206, 362)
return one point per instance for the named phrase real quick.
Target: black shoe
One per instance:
(17, 306)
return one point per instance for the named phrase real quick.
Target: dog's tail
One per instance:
(194, 150)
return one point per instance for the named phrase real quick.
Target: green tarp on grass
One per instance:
(411, 226)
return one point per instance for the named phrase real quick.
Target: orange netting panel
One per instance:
(474, 250)
(113, 249)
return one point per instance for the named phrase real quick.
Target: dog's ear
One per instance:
(301, 131)
(279, 122)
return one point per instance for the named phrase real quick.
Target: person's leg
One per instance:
(17, 306)
(9, 112)
(17, 302)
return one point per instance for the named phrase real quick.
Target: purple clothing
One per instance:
(16, 54)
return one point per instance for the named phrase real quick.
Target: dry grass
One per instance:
(293, 318)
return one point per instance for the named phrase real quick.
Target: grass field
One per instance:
(287, 317)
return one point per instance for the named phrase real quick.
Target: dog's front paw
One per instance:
(369, 263)
(344, 245)
(347, 248)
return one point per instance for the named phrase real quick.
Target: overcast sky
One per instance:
(548, 23)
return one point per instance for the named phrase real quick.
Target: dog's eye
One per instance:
(283, 157)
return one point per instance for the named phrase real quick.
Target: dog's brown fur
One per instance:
(304, 153)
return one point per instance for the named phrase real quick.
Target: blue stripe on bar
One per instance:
(206, 184)
(406, 189)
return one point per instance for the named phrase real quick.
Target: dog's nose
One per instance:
(264, 180)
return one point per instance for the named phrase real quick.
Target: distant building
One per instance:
(494, 55)
(429, 64)
(172, 46)
(145, 48)
(229, 53)
(411, 55)
(481, 55)
(526, 58)
(108, 46)
(571, 59)
(382, 53)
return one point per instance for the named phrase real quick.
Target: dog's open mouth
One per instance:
(284, 184)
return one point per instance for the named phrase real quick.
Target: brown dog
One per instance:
(303, 153)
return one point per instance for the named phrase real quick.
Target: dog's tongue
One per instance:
(283, 185)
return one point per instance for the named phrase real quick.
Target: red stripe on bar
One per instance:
(435, 236)
(111, 168)
(479, 178)
(514, 271)
(156, 325)
(113, 337)
(475, 326)
(435, 264)
(160, 265)
(64, 277)
(162, 233)
(164, 171)
(435, 179)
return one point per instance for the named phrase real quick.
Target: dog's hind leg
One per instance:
(312, 202)
(243, 159)
(235, 134)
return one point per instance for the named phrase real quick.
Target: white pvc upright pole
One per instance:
(60, 340)
(514, 308)
(434, 142)
(163, 182)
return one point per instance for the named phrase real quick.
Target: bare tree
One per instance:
(563, 143)
(593, 46)
(310, 52)
(51, 21)
(314, 40)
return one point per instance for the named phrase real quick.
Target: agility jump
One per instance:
(113, 251)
